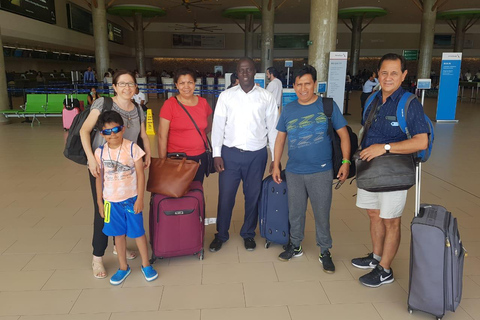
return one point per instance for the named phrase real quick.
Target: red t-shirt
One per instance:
(182, 135)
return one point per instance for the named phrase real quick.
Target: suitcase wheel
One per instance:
(201, 255)
(410, 311)
(267, 244)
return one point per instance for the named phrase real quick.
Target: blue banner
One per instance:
(448, 90)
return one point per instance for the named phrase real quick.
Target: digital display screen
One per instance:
(43, 10)
(443, 40)
(291, 41)
(80, 19)
(115, 32)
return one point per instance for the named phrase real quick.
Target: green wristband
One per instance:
(346, 161)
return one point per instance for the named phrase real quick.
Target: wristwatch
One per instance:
(387, 147)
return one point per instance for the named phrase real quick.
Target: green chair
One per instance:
(34, 107)
(55, 103)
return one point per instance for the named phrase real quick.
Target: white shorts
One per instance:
(390, 204)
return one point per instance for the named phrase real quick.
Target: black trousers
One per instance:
(100, 240)
(202, 158)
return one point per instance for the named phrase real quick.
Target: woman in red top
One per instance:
(177, 133)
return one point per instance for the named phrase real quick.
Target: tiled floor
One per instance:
(46, 227)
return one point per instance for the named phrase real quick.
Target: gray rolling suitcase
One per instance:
(436, 259)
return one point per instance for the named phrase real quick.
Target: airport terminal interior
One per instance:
(46, 212)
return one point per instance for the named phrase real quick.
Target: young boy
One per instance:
(120, 190)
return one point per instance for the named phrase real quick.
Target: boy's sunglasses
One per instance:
(107, 132)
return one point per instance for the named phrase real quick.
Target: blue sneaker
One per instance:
(149, 273)
(120, 276)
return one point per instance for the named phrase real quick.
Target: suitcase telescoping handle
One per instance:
(418, 182)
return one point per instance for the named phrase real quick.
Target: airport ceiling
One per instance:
(292, 11)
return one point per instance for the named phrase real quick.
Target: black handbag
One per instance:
(388, 172)
(210, 167)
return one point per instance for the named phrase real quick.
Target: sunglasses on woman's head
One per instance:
(107, 132)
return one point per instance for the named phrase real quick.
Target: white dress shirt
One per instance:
(275, 87)
(244, 120)
(138, 97)
(370, 85)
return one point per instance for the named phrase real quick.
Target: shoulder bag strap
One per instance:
(327, 106)
(107, 104)
(196, 127)
(139, 113)
(371, 116)
(328, 111)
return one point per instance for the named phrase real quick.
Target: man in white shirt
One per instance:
(468, 75)
(275, 85)
(139, 97)
(368, 88)
(245, 120)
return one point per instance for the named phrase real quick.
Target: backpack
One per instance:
(71, 103)
(337, 155)
(73, 147)
(402, 111)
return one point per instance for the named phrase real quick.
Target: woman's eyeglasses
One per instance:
(124, 84)
(107, 132)
(186, 83)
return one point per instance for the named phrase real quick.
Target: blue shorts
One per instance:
(120, 219)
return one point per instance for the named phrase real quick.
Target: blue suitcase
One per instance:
(273, 211)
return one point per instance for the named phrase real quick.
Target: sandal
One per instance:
(98, 269)
(130, 254)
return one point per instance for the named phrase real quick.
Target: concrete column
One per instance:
(460, 34)
(139, 44)
(3, 85)
(268, 20)
(355, 44)
(323, 34)
(100, 35)
(427, 33)
(249, 36)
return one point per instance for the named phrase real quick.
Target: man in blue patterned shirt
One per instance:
(309, 170)
(384, 135)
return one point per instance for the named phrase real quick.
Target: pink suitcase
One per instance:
(177, 224)
(68, 116)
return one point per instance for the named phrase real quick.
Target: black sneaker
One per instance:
(290, 252)
(368, 262)
(216, 245)
(377, 277)
(326, 260)
(250, 244)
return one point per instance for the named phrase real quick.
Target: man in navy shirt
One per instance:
(384, 135)
(309, 170)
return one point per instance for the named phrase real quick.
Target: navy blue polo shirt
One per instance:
(385, 128)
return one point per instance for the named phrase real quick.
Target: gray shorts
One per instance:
(390, 204)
